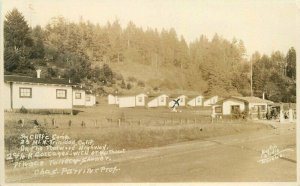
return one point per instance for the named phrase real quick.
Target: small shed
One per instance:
(180, 98)
(197, 100)
(157, 100)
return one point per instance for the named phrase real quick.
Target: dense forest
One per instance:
(84, 52)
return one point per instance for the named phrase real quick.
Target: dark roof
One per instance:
(26, 79)
(79, 88)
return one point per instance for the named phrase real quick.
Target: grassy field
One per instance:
(130, 128)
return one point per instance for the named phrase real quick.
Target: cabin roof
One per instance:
(27, 79)
(246, 99)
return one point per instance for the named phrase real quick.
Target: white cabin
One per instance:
(210, 101)
(252, 105)
(196, 101)
(36, 93)
(181, 98)
(132, 101)
(158, 101)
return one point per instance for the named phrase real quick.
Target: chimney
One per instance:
(38, 73)
(263, 96)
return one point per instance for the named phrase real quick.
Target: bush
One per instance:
(23, 110)
(141, 83)
(131, 79)
(129, 86)
(123, 85)
(118, 77)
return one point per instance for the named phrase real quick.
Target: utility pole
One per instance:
(251, 75)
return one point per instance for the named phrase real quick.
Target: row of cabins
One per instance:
(36, 93)
(220, 106)
(161, 100)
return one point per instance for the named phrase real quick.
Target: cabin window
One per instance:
(181, 100)
(261, 108)
(25, 92)
(199, 100)
(87, 98)
(77, 95)
(218, 109)
(235, 109)
(162, 99)
(140, 99)
(61, 94)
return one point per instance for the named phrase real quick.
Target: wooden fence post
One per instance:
(119, 122)
(22, 122)
(70, 123)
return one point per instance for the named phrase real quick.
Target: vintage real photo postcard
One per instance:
(141, 91)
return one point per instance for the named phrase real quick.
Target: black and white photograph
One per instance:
(148, 92)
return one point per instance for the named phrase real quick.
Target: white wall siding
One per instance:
(197, 101)
(153, 103)
(80, 101)
(181, 101)
(43, 97)
(140, 100)
(112, 100)
(6, 96)
(228, 103)
(210, 101)
(158, 101)
(90, 100)
(127, 101)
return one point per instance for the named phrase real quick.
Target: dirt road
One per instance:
(226, 158)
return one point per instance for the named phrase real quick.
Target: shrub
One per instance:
(129, 86)
(131, 79)
(119, 77)
(23, 110)
(141, 83)
(123, 84)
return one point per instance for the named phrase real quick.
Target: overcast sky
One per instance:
(264, 26)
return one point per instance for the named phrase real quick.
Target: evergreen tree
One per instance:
(291, 63)
(17, 43)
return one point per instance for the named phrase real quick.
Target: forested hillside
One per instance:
(111, 58)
